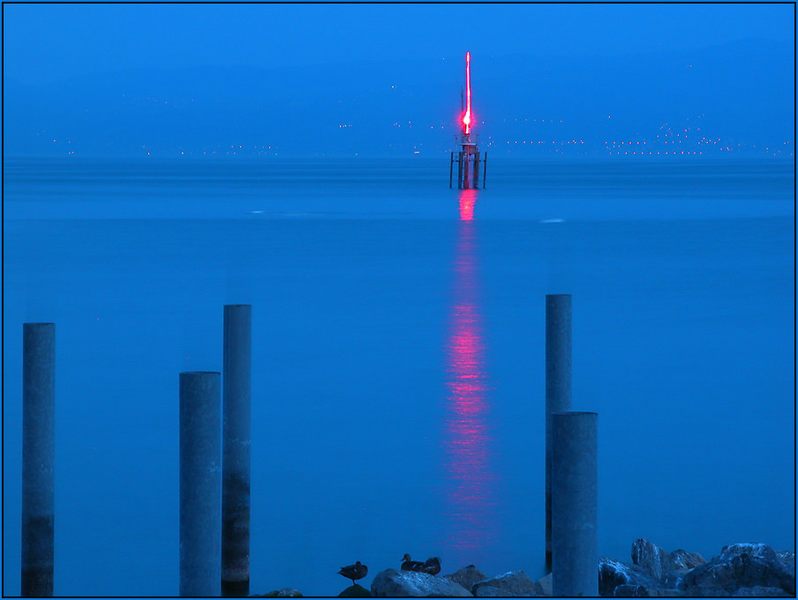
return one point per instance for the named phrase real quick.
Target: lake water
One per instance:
(398, 355)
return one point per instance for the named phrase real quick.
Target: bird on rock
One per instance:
(409, 564)
(354, 572)
(432, 566)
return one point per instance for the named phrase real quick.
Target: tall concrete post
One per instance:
(200, 484)
(236, 444)
(558, 382)
(574, 501)
(38, 457)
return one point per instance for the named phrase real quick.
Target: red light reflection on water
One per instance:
(468, 199)
(469, 478)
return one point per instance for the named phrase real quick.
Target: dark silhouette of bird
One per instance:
(432, 566)
(409, 564)
(354, 572)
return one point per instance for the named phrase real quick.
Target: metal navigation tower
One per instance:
(468, 157)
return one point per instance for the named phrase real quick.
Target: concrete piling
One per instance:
(38, 458)
(200, 484)
(558, 382)
(236, 449)
(574, 504)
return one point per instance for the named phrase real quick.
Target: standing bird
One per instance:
(432, 566)
(409, 564)
(354, 572)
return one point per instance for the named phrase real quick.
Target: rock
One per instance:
(355, 591)
(513, 583)
(467, 576)
(650, 558)
(630, 591)
(545, 584)
(761, 592)
(682, 560)
(393, 583)
(739, 566)
(281, 593)
(788, 558)
(613, 573)
(489, 591)
(667, 568)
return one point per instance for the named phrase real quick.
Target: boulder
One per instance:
(613, 574)
(630, 591)
(545, 584)
(650, 558)
(739, 566)
(761, 592)
(513, 584)
(489, 591)
(355, 591)
(682, 560)
(281, 593)
(788, 559)
(467, 576)
(665, 567)
(403, 584)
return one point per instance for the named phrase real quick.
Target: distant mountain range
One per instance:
(732, 99)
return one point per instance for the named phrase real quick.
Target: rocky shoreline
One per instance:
(742, 570)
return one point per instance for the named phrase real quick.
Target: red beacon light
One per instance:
(468, 158)
(467, 114)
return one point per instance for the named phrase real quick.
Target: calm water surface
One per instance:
(398, 381)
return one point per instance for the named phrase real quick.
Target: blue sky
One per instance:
(65, 61)
(49, 42)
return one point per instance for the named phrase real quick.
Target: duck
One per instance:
(354, 572)
(432, 566)
(408, 564)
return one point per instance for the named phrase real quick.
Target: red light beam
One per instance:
(467, 115)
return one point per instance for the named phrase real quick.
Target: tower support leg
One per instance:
(574, 505)
(558, 384)
(200, 484)
(236, 440)
(38, 457)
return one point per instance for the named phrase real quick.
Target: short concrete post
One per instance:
(38, 458)
(200, 484)
(236, 445)
(574, 502)
(558, 382)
